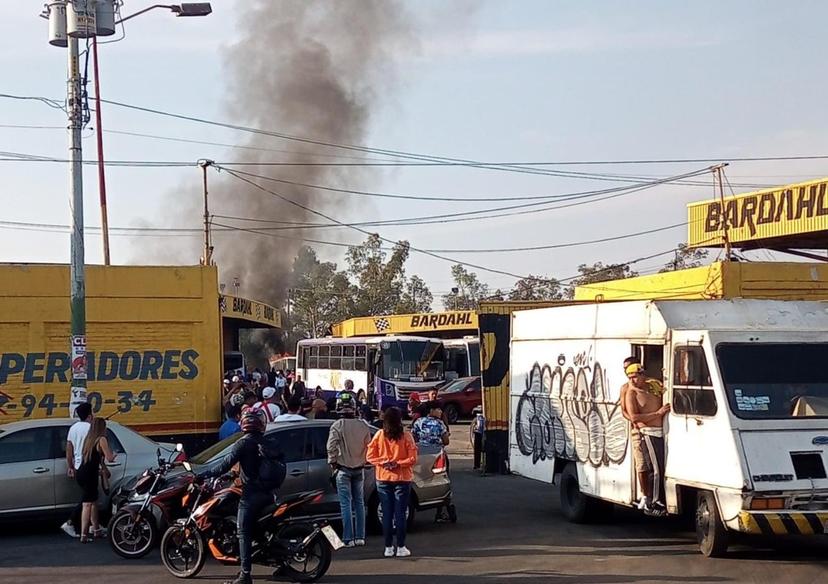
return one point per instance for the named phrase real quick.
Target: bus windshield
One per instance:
(775, 380)
(410, 360)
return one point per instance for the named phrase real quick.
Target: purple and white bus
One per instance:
(385, 370)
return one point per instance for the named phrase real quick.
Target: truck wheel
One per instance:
(710, 531)
(574, 504)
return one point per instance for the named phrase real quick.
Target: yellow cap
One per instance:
(634, 368)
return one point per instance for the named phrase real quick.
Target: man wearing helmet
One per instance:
(347, 451)
(255, 496)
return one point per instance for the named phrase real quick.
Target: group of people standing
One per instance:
(280, 396)
(393, 453)
(87, 452)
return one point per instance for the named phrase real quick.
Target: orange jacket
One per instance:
(402, 451)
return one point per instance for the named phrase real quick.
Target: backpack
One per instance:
(272, 471)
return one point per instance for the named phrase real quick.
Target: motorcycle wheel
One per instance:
(183, 551)
(313, 563)
(132, 536)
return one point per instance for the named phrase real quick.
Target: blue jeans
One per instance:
(349, 488)
(393, 497)
(250, 507)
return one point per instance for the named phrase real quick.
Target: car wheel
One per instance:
(452, 413)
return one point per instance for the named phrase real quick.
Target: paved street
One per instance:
(509, 530)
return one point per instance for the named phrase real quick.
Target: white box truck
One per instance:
(746, 440)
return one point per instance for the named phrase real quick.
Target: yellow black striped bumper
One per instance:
(791, 523)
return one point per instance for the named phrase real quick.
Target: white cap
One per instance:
(268, 392)
(226, 382)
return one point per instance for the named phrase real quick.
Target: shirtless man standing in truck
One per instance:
(645, 409)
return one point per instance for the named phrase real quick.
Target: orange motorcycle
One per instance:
(295, 547)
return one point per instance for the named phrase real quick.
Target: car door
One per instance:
(319, 472)
(67, 491)
(290, 443)
(27, 470)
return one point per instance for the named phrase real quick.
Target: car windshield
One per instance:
(455, 386)
(775, 380)
(411, 360)
(209, 454)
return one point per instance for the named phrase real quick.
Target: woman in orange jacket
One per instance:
(393, 453)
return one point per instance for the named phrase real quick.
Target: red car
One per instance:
(459, 397)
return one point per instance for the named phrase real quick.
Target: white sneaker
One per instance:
(69, 529)
(349, 544)
(359, 542)
(389, 552)
(403, 552)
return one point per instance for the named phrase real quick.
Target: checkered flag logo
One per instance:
(382, 324)
(223, 304)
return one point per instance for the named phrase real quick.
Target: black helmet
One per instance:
(346, 402)
(252, 420)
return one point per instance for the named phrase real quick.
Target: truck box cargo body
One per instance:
(747, 437)
(153, 342)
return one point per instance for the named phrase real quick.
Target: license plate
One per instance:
(332, 537)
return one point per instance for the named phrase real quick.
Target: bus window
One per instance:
(348, 357)
(474, 359)
(313, 360)
(336, 357)
(324, 356)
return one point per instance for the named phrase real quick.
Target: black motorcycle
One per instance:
(135, 527)
(296, 548)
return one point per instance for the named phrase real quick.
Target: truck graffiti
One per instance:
(565, 413)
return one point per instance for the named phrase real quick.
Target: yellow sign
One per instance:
(251, 310)
(785, 212)
(401, 324)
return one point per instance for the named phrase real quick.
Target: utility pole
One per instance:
(99, 138)
(719, 169)
(207, 260)
(76, 270)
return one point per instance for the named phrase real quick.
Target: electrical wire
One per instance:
(381, 238)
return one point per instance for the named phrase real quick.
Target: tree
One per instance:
(537, 288)
(320, 296)
(469, 290)
(416, 297)
(686, 257)
(379, 277)
(599, 272)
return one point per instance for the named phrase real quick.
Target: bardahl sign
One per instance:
(774, 214)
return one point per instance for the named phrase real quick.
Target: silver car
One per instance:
(33, 471)
(303, 444)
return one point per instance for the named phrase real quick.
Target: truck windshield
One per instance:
(775, 381)
(412, 360)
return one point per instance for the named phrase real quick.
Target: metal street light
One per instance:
(184, 9)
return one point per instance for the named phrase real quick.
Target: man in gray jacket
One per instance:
(347, 449)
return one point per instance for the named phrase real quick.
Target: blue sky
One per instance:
(493, 81)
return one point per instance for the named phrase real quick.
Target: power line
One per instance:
(425, 159)
(515, 210)
(386, 240)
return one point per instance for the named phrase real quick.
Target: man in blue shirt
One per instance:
(430, 429)
(231, 425)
